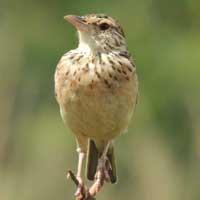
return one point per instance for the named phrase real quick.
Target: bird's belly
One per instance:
(99, 114)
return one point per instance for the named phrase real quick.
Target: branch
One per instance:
(87, 194)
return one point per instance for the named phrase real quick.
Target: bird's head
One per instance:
(98, 32)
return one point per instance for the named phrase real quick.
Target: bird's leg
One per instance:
(102, 170)
(80, 189)
(81, 158)
(104, 164)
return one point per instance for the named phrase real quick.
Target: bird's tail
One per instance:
(92, 160)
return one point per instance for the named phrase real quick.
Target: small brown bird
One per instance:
(96, 88)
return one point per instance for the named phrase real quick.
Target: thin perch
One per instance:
(88, 194)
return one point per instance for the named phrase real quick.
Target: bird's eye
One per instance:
(104, 26)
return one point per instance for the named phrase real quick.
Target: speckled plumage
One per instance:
(96, 84)
(96, 96)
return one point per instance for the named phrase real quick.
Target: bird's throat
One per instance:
(86, 43)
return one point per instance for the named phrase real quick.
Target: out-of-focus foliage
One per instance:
(159, 157)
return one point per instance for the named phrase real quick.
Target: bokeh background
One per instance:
(159, 157)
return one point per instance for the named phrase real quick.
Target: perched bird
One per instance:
(96, 87)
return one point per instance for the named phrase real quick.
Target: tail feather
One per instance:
(112, 172)
(92, 161)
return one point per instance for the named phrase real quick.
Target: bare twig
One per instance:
(73, 177)
(88, 194)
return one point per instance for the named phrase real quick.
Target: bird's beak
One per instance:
(78, 22)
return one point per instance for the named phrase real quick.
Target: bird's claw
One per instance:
(101, 174)
(81, 190)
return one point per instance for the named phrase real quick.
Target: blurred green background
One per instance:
(159, 157)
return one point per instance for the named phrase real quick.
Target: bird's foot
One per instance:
(81, 190)
(101, 174)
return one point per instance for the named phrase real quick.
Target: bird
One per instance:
(96, 87)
